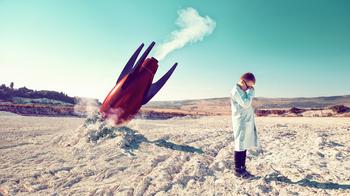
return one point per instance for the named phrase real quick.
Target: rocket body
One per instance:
(126, 98)
(133, 89)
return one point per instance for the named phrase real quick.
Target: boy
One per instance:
(243, 122)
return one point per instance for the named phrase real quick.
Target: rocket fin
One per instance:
(129, 65)
(155, 87)
(144, 56)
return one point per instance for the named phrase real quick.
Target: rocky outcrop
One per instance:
(340, 109)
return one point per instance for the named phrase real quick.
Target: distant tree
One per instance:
(11, 85)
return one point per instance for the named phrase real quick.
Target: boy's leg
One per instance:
(238, 161)
(240, 168)
(247, 174)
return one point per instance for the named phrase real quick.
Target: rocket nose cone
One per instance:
(154, 59)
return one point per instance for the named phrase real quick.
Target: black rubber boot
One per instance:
(239, 163)
(247, 174)
(240, 169)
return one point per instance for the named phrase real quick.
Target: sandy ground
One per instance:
(182, 156)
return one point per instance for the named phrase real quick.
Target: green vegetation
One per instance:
(25, 95)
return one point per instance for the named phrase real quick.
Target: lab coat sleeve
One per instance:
(243, 99)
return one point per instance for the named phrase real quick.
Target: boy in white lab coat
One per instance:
(243, 122)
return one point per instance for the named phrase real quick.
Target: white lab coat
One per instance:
(243, 120)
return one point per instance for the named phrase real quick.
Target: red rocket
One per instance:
(134, 87)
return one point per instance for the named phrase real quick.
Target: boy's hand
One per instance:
(251, 90)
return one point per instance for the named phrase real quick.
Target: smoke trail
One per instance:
(193, 28)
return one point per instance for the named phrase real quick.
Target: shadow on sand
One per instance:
(134, 139)
(277, 176)
(170, 145)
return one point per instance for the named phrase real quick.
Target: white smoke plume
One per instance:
(192, 28)
(86, 106)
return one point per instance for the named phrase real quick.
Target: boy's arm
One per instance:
(243, 99)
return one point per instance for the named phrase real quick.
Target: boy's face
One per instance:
(249, 83)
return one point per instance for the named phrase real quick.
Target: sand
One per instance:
(180, 156)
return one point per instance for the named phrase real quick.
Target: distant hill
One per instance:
(221, 106)
(302, 102)
(11, 94)
(26, 101)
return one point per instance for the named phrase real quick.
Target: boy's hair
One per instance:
(248, 77)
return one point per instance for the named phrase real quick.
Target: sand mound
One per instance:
(96, 131)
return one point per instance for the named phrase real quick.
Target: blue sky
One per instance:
(295, 48)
